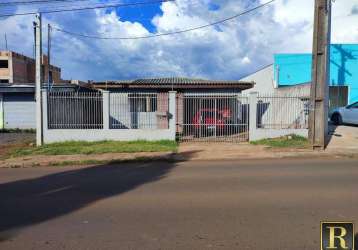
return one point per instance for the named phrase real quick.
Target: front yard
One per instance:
(290, 141)
(103, 147)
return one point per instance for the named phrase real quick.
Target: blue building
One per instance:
(294, 69)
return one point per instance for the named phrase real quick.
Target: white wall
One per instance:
(1, 112)
(264, 82)
(61, 135)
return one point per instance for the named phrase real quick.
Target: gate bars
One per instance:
(212, 117)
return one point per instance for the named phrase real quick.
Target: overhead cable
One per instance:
(169, 33)
(87, 8)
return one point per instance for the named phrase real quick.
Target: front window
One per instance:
(4, 64)
(143, 102)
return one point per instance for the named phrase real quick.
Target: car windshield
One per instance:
(353, 106)
(208, 114)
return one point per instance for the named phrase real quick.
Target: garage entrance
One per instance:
(19, 111)
(212, 117)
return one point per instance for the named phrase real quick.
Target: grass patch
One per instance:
(290, 141)
(81, 147)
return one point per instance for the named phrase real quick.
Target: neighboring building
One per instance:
(292, 72)
(16, 69)
(17, 105)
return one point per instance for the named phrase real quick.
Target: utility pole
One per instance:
(48, 57)
(318, 117)
(38, 54)
(6, 42)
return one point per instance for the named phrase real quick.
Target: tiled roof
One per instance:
(177, 81)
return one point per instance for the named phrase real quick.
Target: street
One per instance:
(256, 204)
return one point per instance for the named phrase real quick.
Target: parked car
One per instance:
(209, 121)
(348, 114)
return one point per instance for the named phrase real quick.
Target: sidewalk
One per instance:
(343, 139)
(229, 151)
(186, 152)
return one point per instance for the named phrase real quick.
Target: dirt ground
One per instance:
(9, 141)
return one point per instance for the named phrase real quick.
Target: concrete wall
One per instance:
(125, 134)
(275, 133)
(60, 135)
(264, 81)
(1, 112)
(257, 133)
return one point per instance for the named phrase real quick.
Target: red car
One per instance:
(207, 121)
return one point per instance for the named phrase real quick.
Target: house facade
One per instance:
(194, 97)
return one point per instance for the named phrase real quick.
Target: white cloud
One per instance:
(246, 60)
(227, 51)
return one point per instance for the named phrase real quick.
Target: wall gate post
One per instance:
(252, 115)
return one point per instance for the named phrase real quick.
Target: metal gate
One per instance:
(213, 117)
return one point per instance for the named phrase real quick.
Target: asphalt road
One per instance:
(269, 204)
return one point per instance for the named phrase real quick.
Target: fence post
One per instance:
(1, 112)
(44, 115)
(252, 115)
(105, 104)
(172, 112)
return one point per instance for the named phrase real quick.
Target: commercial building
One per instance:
(16, 69)
(291, 73)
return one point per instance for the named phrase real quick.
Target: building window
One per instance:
(4, 81)
(143, 102)
(4, 64)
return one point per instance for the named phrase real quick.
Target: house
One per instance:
(17, 68)
(181, 85)
(193, 96)
(291, 73)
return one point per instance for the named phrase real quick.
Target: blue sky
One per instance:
(226, 51)
(143, 15)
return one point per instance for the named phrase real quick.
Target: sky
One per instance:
(226, 51)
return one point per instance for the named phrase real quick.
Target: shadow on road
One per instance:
(331, 132)
(31, 201)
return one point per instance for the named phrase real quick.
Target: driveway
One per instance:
(343, 138)
(268, 204)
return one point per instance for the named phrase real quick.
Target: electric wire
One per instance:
(88, 8)
(169, 33)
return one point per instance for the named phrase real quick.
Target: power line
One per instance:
(88, 8)
(169, 33)
(40, 2)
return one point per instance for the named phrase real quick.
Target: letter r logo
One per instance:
(337, 236)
